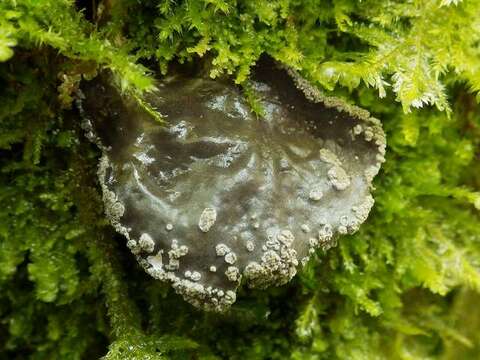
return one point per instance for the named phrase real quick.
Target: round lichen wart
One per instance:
(316, 193)
(146, 243)
(215, 195)
(207, 219)
(338, 177)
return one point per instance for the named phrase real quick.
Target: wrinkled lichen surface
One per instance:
(219, 194)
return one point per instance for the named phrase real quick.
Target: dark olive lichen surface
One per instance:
(218, 194)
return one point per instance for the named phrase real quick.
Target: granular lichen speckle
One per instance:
(176, 252)
(342, 230)
(173, 264)
(222, 250)
(230, 258)
(146, 243)
(196, 276)
(338, 177)
(207, 219)
(329, 157)
(216, 196)
(131, 244)
(305, 228)
(325, 233)
(368, 134)
(285, 237)
(316, 193)
(232, 273)
(357, 129)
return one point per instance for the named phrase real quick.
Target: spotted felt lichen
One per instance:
(218, 194)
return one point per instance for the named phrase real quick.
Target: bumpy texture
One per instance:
(218, 193)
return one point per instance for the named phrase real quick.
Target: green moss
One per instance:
(406, 286)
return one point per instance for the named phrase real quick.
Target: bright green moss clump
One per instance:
(406, 286)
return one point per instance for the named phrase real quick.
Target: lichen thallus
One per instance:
(215, 196)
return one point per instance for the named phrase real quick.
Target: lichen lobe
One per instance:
(219, 196)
